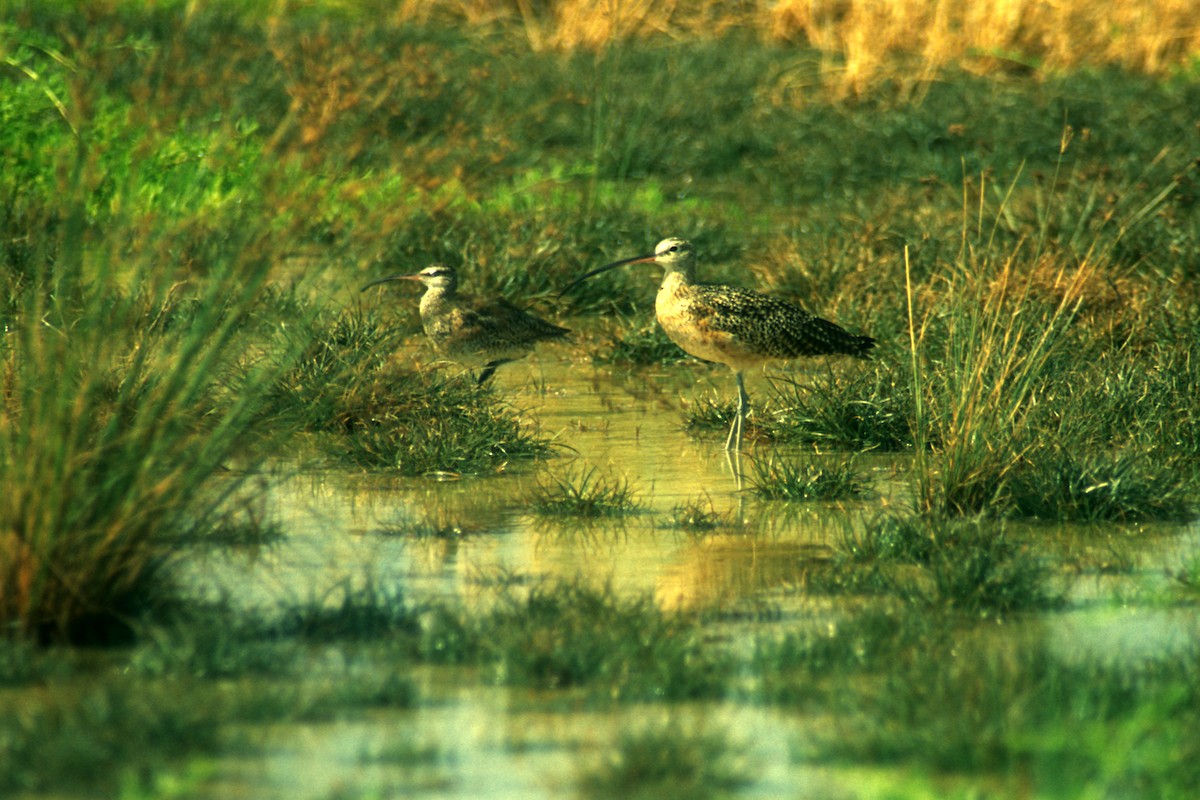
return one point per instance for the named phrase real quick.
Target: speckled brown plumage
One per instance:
(475, 331)
(736, 327)
(741, 328)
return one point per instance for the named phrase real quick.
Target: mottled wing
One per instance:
(498, 324)
(774, 327)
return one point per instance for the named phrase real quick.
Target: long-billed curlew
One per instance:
(474, 331)
(731, 326)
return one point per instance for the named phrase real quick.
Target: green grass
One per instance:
(863, 411)
(418, 424)
(980, 570)
(643, 345)
(707, 414)
(1123, 486)
(90, 737)
(188, 201)
(834, 410)
(699, 517)
(801, 667)
(667, 762)
(1032, 717)
(797, 478)
(153, 401)
(584, 492)
(971, 567)
(582, 640)
(367, 410)
(920, 691)
(892, 538)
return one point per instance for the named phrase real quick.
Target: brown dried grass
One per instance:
(867, 41)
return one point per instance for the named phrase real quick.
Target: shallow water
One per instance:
(345, 528)
(348, 526)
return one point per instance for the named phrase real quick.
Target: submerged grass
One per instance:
(973, 567)
(777, 477)
(699, 517)
(667, 762)
(921, 690)
(576, 638)
(584, 492)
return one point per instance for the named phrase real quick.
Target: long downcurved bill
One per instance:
(623, 262)
(378, 281)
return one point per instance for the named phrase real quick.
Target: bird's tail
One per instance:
(828, 338)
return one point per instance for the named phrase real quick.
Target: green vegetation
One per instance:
(581, 639)
(974, 567)
(916, 686)
(584, 492)
(369, 412)
(190, 195)
(920, 688)
(127, 399)
(667, 762)
(646, 345)
(708, 415)
(805, 478)
(699, 517)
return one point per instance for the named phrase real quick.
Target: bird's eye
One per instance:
(673, 248)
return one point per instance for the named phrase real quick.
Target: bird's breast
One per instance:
(694, 325)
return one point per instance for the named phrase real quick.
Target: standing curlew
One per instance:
(731, 326)
(475, 331)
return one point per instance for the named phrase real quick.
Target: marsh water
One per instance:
(463, 539)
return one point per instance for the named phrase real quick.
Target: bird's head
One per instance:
(437, 277)
(673, 255)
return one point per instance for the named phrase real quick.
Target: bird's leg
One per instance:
(733, 459)
(734, 441)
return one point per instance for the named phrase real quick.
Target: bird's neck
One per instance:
(676, 278)
(435, 300)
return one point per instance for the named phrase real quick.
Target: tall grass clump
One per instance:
(117, 431)
(979, 397)
(130, 384)
(998, 345)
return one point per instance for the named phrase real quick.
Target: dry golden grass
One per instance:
(863, 38)
(986, 35)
